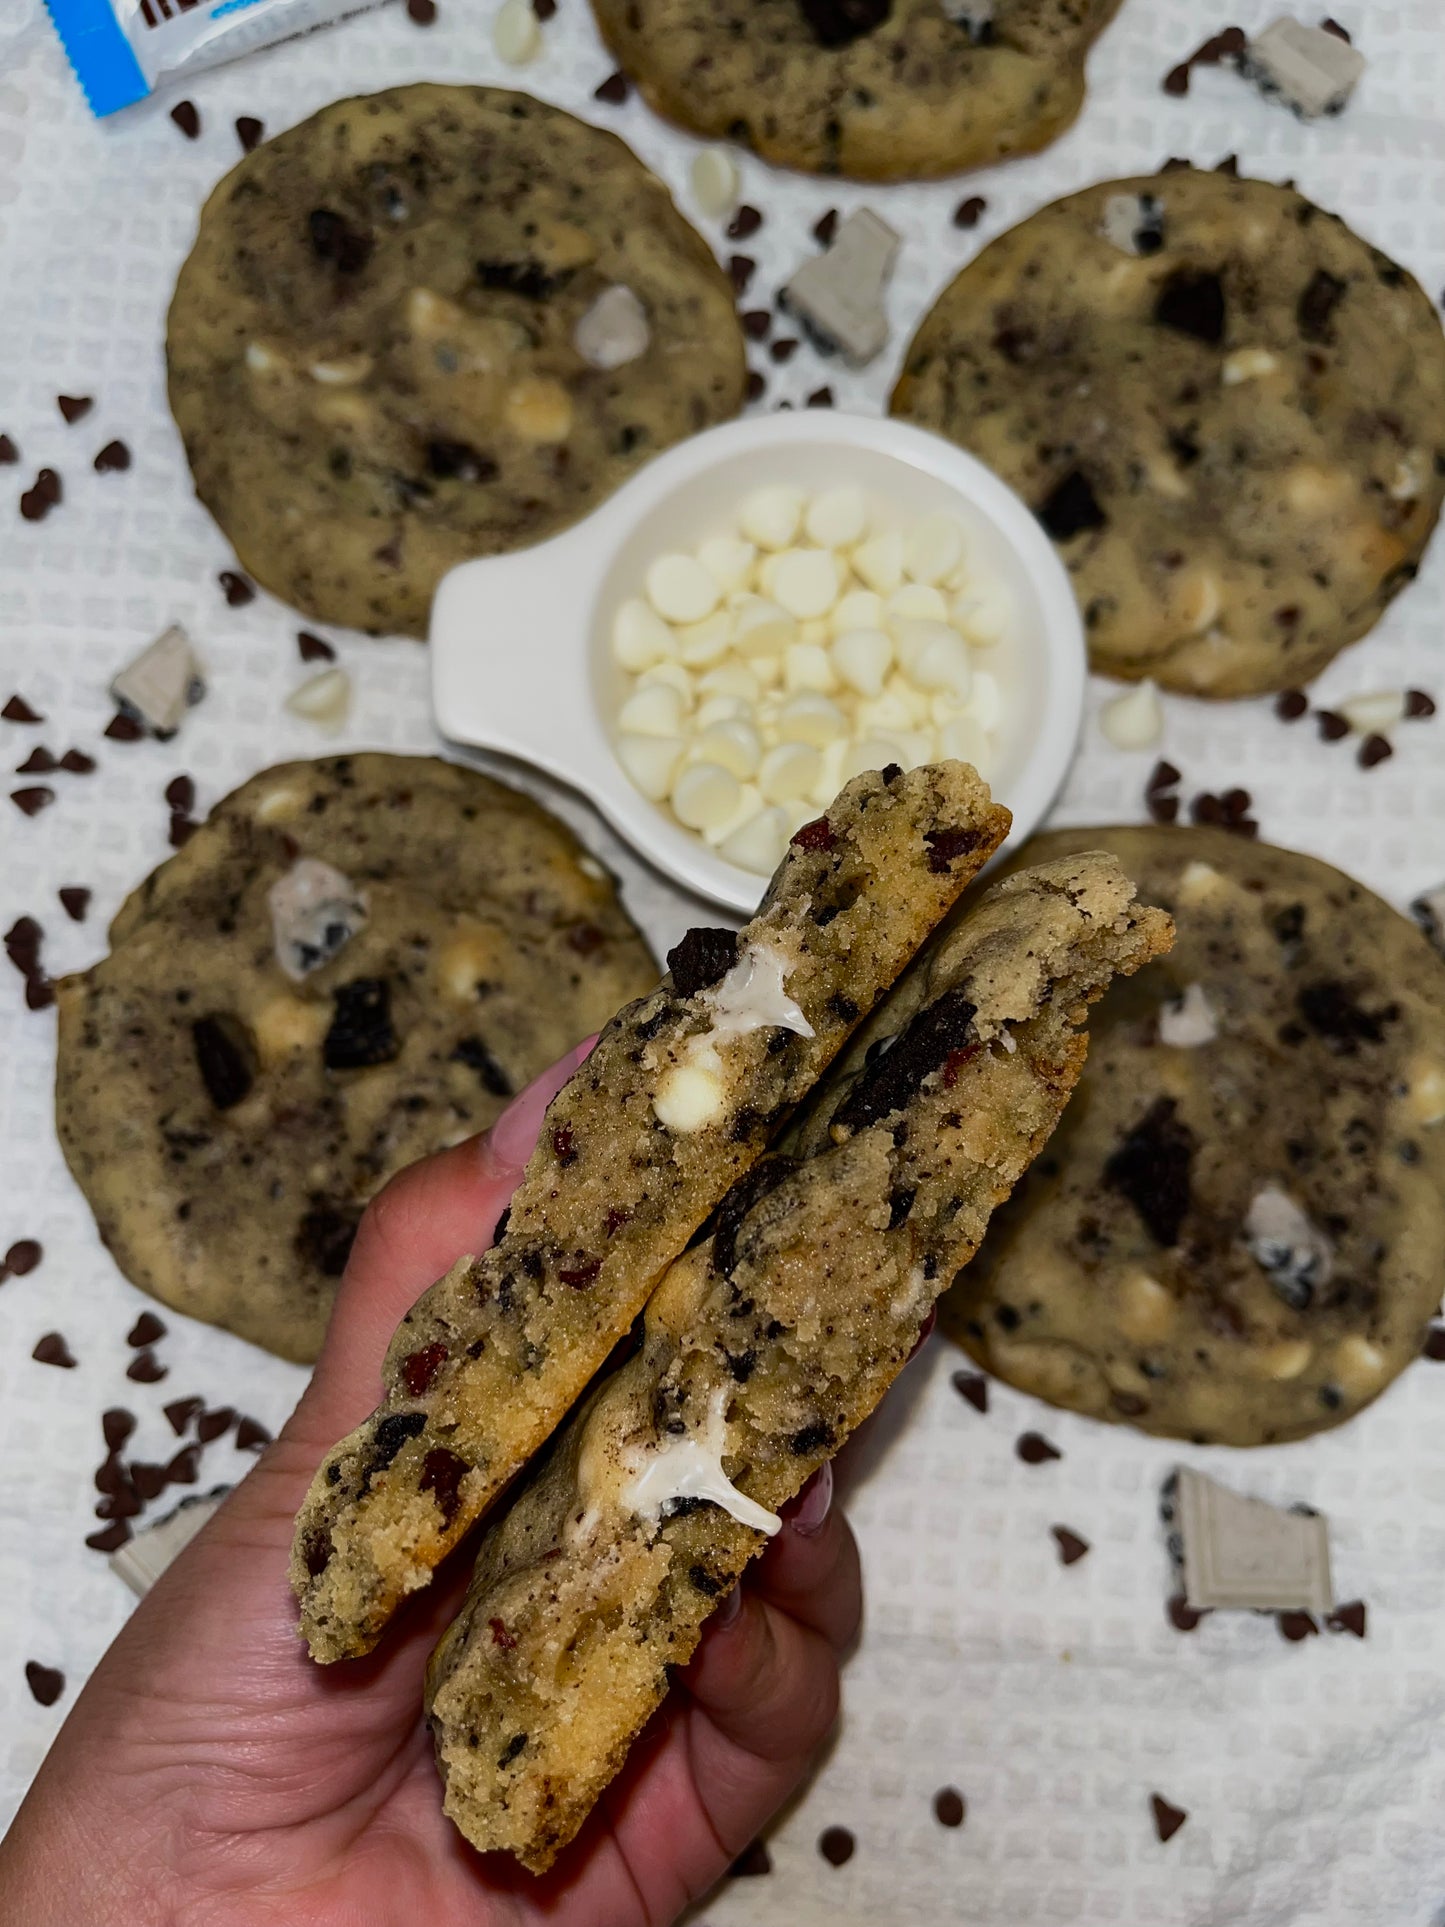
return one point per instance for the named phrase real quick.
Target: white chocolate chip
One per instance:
(933, 550)
(700, 644)
(761, 627)
(722, 709)
(263, 360)
(879, 562)
(1409, 477)
(871, 753)
(805, 581)
(515, 33)
(1134, 720)
(788, 772)
(728, 561)
(689, 1097)
(639, 636)
(539, 409)
(837, 518)
(1358, 1365)
(732, 744)
(806, 665)
(655, 709)
(1247, 364)
(705, 795)
(770, 516)
(343, 372)
(1425, 1099)
(650, 762)
(680, 589)
(1189, 1022)
(985, 701)
(614, 330)
(915, 602)
(934, 656)
(750, 802)
(962, 741)
(759, 845)
(715, 182)
(753, 996)
(324, 699)
(673, 675)
(983, 612)
(1197, 881)
(862, 658)
(731, 678)
(1374, 713)
(811, 718)
(858, 609)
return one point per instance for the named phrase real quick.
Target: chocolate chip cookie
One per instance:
(1237, 1235)
(680, 1097)
(353, 962)
(1226, 409)
(762, 1349)
(882, 90)
(434, 323)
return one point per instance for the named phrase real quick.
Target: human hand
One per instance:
(210, 1774)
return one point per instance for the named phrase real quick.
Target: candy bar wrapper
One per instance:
(122, 50)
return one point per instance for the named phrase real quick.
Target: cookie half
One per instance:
(881, 90)
(680, 1097)
(434, 323)
(1237, 1235)
(351, 963)
(1226, 408)
(762, 1349)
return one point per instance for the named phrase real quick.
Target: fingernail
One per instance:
(806, 1513)
(509, 1142)
(728, 1611)
(922, 1339)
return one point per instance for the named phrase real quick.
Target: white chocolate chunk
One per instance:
(1189, 1022)
(722, 709)
(787, 772)
(837, 518)
(691, 1467)
(680, 589)
(729, 561)
(715, 182)
(961, 740)
(811, 718)
(315, 910)
(1133, 223)
(733, 745)
(759, 845)
(539, 409)
(933, 550)
(805, 581)
(614, 330)
(650, 762)
(639, 636)
(807, 665)
(1134, 720)
(324, 700)
(858, 609)
(689, 1097)
(761, 627)
(700, 644)
(770, 516)
(655, 709)
(1374, 713)
(1246, 364)
(862, 658)
(878, 562)
(1425, 1097)
(515, 33)
(705, 795)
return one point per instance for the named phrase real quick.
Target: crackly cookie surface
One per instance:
(1227, 409)
(879, 89)
(681, 1095)
(433, 323)
(351, 963)
(1236, 1235)
(761, 1350)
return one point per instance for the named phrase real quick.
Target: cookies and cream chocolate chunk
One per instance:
(433, 323)
(879, 89)
(679, 1098)
(762, 1348)
(1227, 410)
(353, 962)
(1238, 1235)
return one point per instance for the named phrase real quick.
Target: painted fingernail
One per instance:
(728, 1611)
(922, 1339)
(806, 1513)
(510, 1140)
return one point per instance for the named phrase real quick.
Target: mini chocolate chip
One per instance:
(1333, 26)
(821, 398)
(1349, 1618)
(419, 1369)
(39, 762)
(74, 407)
(1071, 508)
(53, 1350)
(8, 451)
(33, 506)
(17, 710)
(111, 1539)
(361, 1033)
(181, 793)
(826, 227)
(77, 762)
(967, 213)
(146, 1330)
(1374, 750)
(1176, 81)
(949, 1807)
(113, 459)
(180, 1412)
(211, 1425)
(1434, 1346)
(1295, 1626)
(784, 348)
(185, 1467)
(251, 1434)
(614, 90)
(1332, 727)
(837, 1845)
(1151, 1168)
(46, 1683)
(1182, 1616)
(974, 1387)
(757, 324)
(47, 486)
(1418, 704)
(146, 1369)
(224, 1058)
(238, 591)
(1168, 1819)
(703, 957)
(442, 1473)
(746, 221)
(314, 648)
(249, 132)
(741, 269)
(544, 9)
(1071, 1547)
(1164, 777)
(1034, 1449)
(117, 1424)
(1191, 302)
(1290, 705)
(752, 1862)
(755, 387)
(33, 799)
(123, 729)
(187, 117)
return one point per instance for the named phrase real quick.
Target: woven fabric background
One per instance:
(1057, 1699)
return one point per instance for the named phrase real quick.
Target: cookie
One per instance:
(762, 1349)
(680, 1097)
(1236, 1235)
(353, 962)
(434, 323)
(881, 90)
(1226, 409)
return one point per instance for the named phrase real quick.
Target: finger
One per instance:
(810, 1571)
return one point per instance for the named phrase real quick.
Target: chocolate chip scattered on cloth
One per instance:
(1226, 408)
(352, 963)
(1237, 1234)
(380, 369)
(879, 89)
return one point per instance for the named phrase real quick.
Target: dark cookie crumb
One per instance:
(1151, 1168)
(46, 1683)
(186, 116)
(1191, 302)
(703, 957)
(473, 1052)
(1071, 1547)
(949, 1807)
(837, 1845)
(1168, 1819)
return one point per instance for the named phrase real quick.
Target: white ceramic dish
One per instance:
(520, 655)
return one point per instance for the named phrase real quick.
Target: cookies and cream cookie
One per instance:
(351, 963)
(1237, 1235)
(434, 323)
(1227, 409)
(681, 1095)
(879, 89)
(762, 1348)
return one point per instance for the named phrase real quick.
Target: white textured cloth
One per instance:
(1056, 1699)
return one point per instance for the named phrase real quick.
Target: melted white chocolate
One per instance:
(752, 997)
(690, 1467)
